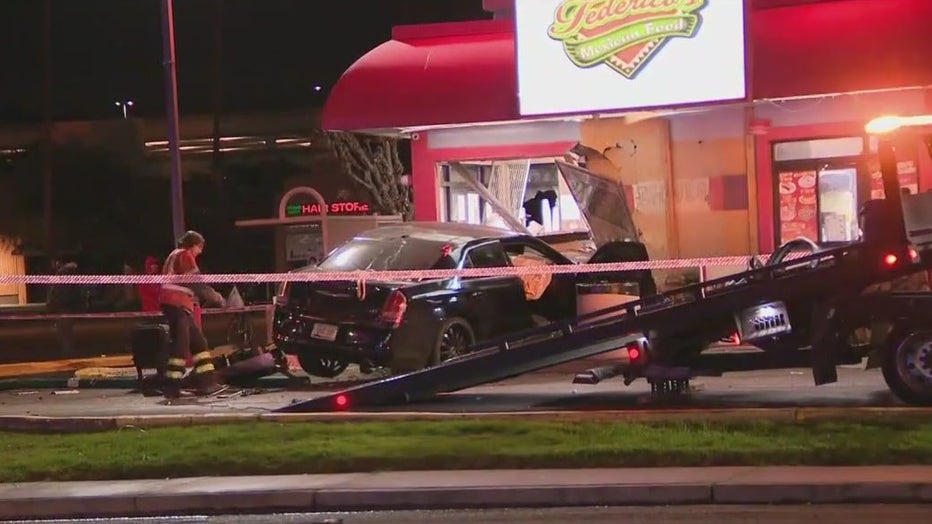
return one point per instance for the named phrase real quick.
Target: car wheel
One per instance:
(454, 339)
(907, 367)
(321, 366)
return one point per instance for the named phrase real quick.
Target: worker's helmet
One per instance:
(190, 239)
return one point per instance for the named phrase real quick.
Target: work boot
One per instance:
(172, 389)
(207, 384)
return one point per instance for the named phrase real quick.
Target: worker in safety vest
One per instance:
(178, 304)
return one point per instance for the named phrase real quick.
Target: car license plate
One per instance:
(326, 332)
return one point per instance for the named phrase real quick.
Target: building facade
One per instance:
(788, 157)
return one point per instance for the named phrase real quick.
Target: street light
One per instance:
(125, 105)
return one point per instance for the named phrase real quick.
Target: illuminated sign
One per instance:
(335, 208)
(579, 56)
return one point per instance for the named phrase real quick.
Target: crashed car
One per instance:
(413, 324)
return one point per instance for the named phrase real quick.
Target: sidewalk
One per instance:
(467, 489)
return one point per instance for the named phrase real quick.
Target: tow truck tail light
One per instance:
(341, 401)
(394, 309)
(635, 351)
(890, 259)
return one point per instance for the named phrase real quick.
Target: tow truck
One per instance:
(800, 308)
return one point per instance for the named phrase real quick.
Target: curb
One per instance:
(40, 424)
(13, 384)
(190, 500)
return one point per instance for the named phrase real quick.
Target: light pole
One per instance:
(125, 105)
(171, 109)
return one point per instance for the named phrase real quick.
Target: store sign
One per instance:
(578, 56)
(335, 208)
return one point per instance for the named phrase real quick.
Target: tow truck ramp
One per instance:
(692, 311)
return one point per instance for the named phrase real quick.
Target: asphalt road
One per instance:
(551, 390)
(849, 514)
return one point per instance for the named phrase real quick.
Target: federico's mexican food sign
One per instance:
(622, 34)
(585, 55)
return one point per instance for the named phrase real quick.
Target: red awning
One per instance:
(429, 75)
(841, 46)
(460, 73)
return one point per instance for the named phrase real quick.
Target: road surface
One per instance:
(848, 514)
(536, 391)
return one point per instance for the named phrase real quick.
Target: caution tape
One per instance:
(384, 276)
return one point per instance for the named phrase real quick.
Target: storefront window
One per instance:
(818, 189)
(533, 190)
(822, 183)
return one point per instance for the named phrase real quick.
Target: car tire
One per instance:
(457, 335)
(320, 366)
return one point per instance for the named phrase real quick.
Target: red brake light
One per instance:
(634, 352)
(341, 401)
(913, 254)
(890, 259)
(394, 309)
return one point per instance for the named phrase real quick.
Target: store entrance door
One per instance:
(819, 200)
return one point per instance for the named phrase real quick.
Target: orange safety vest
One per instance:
(179, 262)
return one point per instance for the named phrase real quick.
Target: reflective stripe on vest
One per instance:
(169, 269)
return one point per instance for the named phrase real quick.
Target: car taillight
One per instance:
(890, 259)
(394, 309)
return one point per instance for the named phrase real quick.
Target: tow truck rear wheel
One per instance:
(907, 366)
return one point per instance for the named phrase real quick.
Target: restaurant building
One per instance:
(731, 126)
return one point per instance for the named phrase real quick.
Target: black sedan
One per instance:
(409, 325)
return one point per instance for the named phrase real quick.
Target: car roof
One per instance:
(451, 232)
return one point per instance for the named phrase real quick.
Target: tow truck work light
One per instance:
(888, 124)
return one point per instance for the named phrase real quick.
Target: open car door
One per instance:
(604, 204)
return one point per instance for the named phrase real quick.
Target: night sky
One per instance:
(274, 51)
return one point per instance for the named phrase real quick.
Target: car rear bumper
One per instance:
(378, 356)
(352, 343)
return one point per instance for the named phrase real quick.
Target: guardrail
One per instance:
(33, 337)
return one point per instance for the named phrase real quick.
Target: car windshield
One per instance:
(384, 255)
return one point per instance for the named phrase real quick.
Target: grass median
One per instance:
(332, 447)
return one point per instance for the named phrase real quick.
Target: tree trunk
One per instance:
(374, 163)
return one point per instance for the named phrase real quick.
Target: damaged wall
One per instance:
(686, 178)
(638, 155)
